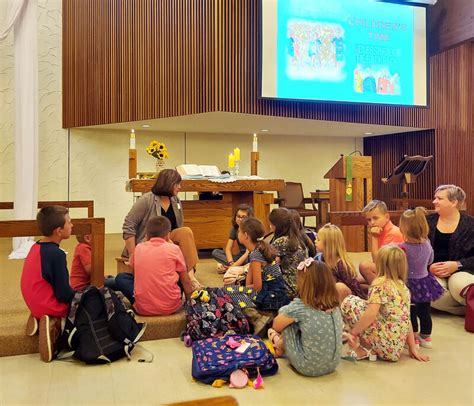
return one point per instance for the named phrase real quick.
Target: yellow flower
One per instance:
(157, 150)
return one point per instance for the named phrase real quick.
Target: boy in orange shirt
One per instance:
(81, 263)
(382, 232)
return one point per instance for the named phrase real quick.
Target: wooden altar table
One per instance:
(210, 220)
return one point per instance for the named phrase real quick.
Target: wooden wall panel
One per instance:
(450, 23)
(387, 151)
(127, 60)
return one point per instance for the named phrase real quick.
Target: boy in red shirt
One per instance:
(45, 280)
(81, 263)
(158, 266)
(382, 232)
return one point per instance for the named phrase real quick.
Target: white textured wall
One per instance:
(52, 138)
(7, 117)
(99, 159)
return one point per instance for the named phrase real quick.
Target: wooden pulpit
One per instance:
(360, 185)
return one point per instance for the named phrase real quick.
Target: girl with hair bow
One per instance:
(309, 330)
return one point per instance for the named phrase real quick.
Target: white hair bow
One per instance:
(305, 264)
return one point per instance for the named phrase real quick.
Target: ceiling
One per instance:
(236, 123)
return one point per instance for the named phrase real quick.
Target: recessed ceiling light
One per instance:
(368, 133)
(146, 126)
(264, 130)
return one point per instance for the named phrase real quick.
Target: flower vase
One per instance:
(160, 165)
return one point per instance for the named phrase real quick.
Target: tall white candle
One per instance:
(132, 140)
(255, 143)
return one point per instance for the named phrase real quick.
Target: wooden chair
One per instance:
(292, 197)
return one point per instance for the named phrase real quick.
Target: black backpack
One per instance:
(100, 329)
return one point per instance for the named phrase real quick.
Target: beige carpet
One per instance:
(14, 313)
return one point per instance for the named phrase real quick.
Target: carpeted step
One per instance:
(14, 341)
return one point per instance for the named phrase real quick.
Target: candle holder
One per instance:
(236, 168)
(231, 170)
(254, 158)
(132, 163)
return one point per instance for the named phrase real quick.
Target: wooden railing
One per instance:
(88, 204)
(93, 226)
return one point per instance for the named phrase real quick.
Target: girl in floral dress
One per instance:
(381, 325)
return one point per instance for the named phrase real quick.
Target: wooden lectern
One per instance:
(354, 236)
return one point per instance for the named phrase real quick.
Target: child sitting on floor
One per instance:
(289, 245)
(424, 288)
(382, 232)
(264, 275)
(309, 329)
(307, 236)
(45, 280)
(234, 254)
(158, 265)
(332, 250)
(381, 325)
(81, 263)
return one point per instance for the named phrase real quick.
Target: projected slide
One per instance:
(344, 50)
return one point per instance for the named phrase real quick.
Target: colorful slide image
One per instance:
(345, 50)
(315, 50)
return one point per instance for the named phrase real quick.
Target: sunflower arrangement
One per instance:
(157, 150)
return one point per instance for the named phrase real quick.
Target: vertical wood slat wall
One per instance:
(389, 150)
(128, 60)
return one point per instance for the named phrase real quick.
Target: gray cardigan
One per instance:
(146, 207)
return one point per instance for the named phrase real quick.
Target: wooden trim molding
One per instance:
(93, 226)
(87, 204)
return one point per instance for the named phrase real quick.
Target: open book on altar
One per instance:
(198, 171)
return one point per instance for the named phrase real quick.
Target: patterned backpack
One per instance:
(213, 312)
(216, 358)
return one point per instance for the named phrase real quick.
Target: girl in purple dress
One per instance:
(424, 287)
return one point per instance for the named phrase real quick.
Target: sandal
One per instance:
(367, 355)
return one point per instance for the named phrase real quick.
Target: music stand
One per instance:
(406, 171)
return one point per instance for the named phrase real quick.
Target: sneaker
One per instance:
(49, 333)
(426, 342)
(31, 326)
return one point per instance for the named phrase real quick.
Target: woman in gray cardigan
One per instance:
(162, 200)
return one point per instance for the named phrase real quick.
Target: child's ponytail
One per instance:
(414, 226)
(266, 250)
(256, 232)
